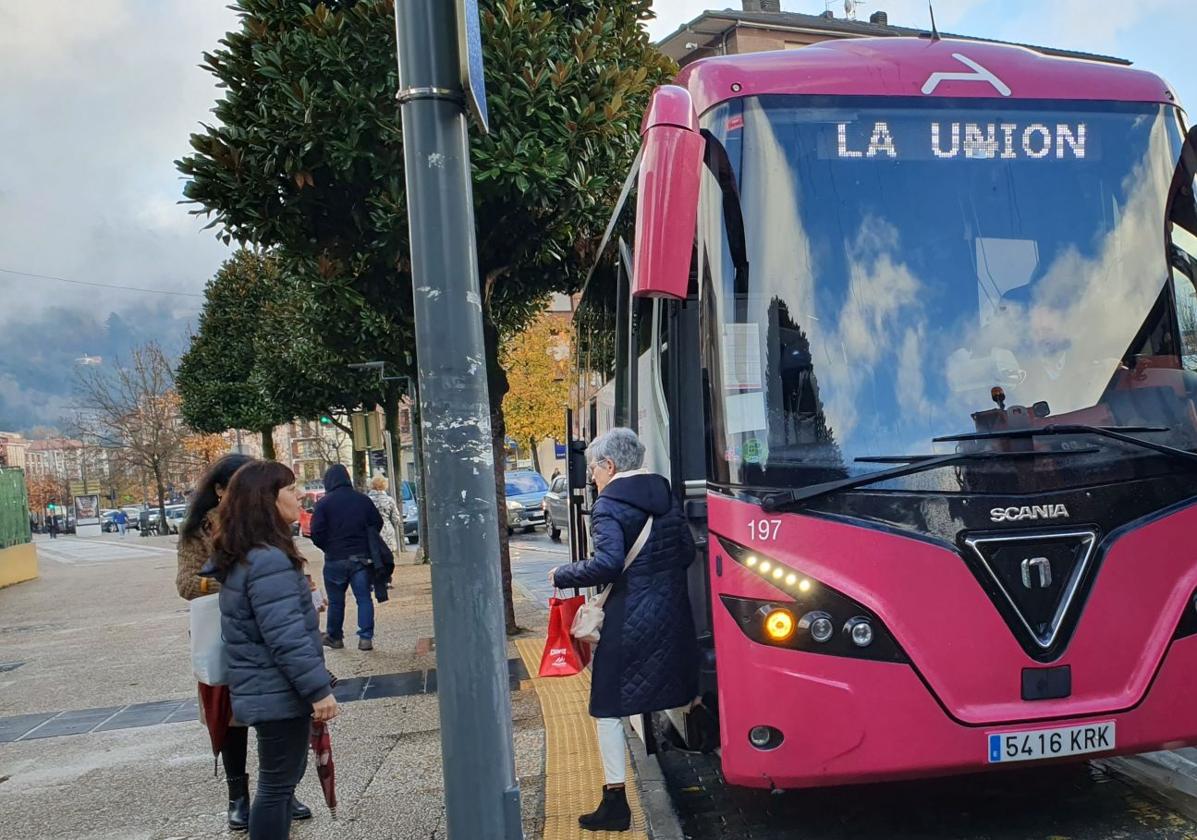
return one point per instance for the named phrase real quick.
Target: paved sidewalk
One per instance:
(103, 635)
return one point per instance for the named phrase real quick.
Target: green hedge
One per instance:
(14, 509)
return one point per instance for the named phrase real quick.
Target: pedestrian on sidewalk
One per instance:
(122, 522)
(646, 659)
(392, 523)
(52, 527)
(339, 529)
(277, 676)
(194, 551)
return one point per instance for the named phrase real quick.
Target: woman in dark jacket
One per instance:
(646, 659)
(276, 667)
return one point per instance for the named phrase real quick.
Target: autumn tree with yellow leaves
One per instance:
(537, 365)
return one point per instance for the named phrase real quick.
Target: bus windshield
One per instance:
(878, 272)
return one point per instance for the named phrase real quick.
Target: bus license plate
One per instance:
(1051, 743)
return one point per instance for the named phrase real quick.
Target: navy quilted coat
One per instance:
(272, 637)
(647, 657)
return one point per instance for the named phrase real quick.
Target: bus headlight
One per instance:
(805, 614)
(860, 631)
(819, 625)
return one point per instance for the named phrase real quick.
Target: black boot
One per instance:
(612, 814)
(299, 811)
(239, 803)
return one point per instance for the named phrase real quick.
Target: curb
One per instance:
(661, 819)
(1167, 776)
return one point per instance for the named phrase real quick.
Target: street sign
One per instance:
(367, 432)
(469, 40)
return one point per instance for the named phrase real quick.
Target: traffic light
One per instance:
(325, 420)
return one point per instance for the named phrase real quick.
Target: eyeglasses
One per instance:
(590, 467)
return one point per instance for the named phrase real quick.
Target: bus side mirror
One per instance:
(667, 195)
(1182, 200)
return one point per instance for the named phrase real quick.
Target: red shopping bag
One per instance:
(563, 655)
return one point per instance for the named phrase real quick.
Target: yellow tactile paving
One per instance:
(573, 769)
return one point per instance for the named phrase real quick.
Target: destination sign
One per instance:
(957, 140)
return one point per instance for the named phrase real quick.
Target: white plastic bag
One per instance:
(207, 646)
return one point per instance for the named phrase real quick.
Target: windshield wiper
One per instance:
(1113, 432)
(910, 464)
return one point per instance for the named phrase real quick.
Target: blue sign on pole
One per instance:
(469, 31)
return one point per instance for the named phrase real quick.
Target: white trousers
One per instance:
(611, 747)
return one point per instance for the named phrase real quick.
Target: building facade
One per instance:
(13, 450)
(760, 25)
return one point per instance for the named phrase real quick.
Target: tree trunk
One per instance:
(359, 468)
(497, 388)
(160, 485)
(535, 454)
(268, 443)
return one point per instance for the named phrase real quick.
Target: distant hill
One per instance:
(38, 357)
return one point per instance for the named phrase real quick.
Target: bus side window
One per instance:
(1184, 284)
(1183, 258)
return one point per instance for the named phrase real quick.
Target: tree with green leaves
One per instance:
(256, 359)
(306, 155)
(219, 377)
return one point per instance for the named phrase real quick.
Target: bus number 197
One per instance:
(764, 529)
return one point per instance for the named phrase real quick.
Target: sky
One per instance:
(98, 101)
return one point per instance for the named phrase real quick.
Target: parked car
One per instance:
(147, 521)
(175, 515)
(411, 513)
(556, 507)
(527, 490)
(108, 521)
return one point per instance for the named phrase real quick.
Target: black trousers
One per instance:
(234, 751)
(282, 758)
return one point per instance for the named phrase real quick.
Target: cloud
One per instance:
(109, 92)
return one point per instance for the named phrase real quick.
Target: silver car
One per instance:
(556, 507)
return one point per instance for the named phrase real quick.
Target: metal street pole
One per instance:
(482, 797)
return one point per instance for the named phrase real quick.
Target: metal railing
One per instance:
(14, 508)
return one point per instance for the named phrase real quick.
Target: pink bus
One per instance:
(911, 325)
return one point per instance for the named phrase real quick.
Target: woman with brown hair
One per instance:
(277, 676)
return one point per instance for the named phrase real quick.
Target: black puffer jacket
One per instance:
(272, 636)
(342, 516)
(647, 656)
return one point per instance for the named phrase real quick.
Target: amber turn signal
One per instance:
(779, 625)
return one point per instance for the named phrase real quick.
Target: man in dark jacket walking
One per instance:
(646, 659)
(340, 526)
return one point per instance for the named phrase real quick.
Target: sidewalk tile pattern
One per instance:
(573, 767)
(56, 724)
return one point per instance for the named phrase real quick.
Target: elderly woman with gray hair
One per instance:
(646, 659)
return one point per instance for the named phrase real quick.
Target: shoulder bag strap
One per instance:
(638, 546)
(601, 599)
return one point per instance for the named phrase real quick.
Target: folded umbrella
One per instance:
(326, 771)
(216, 710)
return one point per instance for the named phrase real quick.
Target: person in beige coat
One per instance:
(392, 522)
